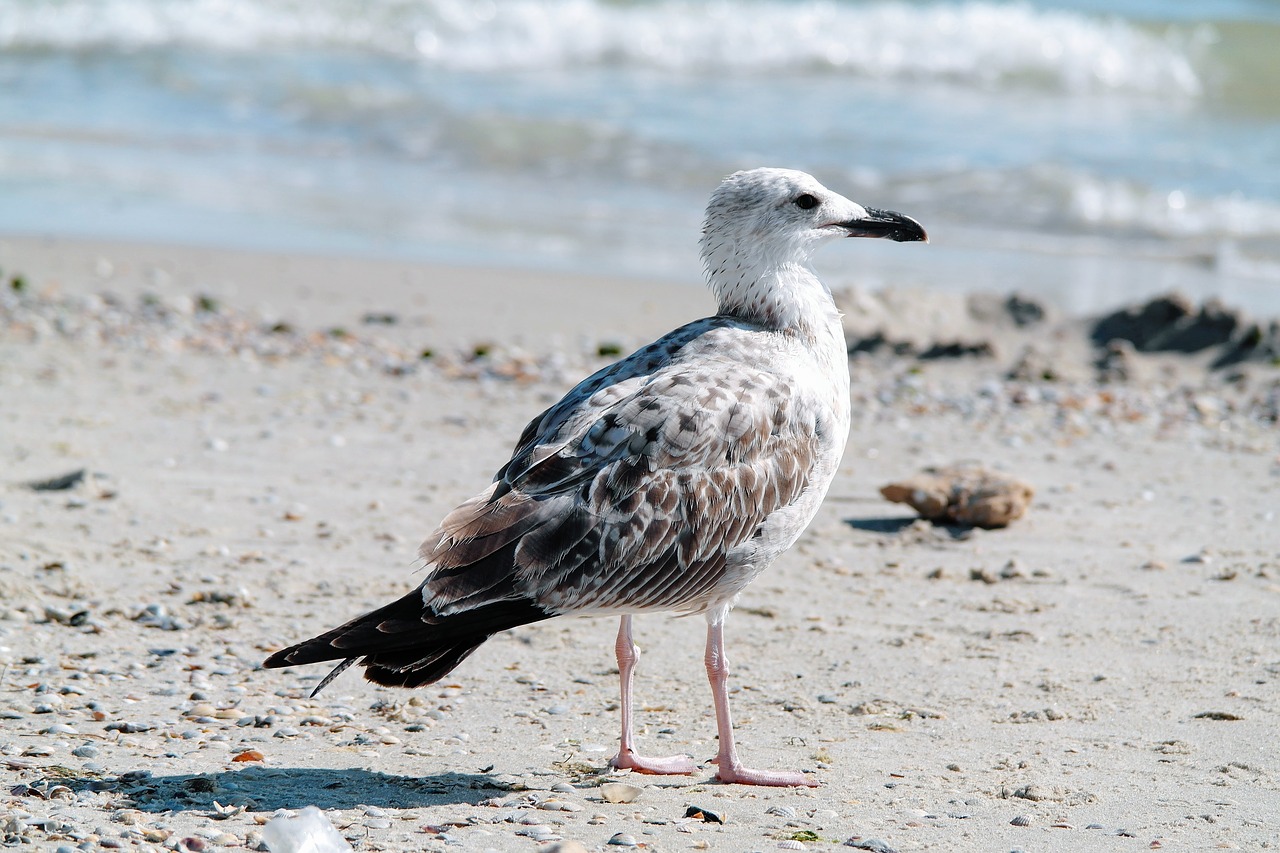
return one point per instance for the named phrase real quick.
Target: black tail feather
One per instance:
(405, 644)
(333, 673)
(394, 671)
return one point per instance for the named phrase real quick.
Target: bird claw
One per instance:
(675, 765)
(767, 778)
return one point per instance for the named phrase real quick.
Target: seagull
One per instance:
(664, 482)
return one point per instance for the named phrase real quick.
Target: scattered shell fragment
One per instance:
(250, 755)
(619, 792)
(539, 832)
(622, 839)
(875, 845)
(1021, 820)
(221, 812)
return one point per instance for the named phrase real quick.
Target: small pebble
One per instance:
(622, 839)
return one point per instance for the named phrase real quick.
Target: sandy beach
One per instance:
(266, 439)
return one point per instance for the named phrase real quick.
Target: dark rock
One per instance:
(1255, 343)
(1170, 324)
(58, 484)
(1024, 312)
(1174, 324)
(958, 349)
(1013, 310)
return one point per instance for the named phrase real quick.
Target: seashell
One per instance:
(618, 792)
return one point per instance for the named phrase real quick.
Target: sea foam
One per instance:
(974, 43)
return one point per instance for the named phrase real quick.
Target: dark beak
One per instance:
(887, 223)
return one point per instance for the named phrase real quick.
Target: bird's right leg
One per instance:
(627, 758)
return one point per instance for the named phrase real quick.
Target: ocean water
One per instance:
(1087, 152)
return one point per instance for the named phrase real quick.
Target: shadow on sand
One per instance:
(890, 525)
(271, 788)
(893, 525)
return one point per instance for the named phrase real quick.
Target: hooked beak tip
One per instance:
(887, 224)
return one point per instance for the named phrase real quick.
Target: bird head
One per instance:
(762, 222)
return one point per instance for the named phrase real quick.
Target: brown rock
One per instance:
(963, 495)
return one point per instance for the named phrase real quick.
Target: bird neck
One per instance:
(788, 297)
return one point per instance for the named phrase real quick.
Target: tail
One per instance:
(406, 644)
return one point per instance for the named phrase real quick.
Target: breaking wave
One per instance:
(975, 43)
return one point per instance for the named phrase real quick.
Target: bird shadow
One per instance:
(271, 788)
(894, 525)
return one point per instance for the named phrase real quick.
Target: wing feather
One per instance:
(632, 492)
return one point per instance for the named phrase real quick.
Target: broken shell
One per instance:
(617, 792)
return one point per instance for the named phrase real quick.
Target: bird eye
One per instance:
(806, 202)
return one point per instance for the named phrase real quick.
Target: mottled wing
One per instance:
(635, 498)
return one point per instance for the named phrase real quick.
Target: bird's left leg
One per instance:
(729, 767)
(627, 758)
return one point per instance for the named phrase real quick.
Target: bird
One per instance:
(665, 482)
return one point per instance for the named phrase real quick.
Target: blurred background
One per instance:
(1085, 151)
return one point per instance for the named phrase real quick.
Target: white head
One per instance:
(762, 225)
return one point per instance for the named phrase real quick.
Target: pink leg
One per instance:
(627, 759)
(730, 768)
